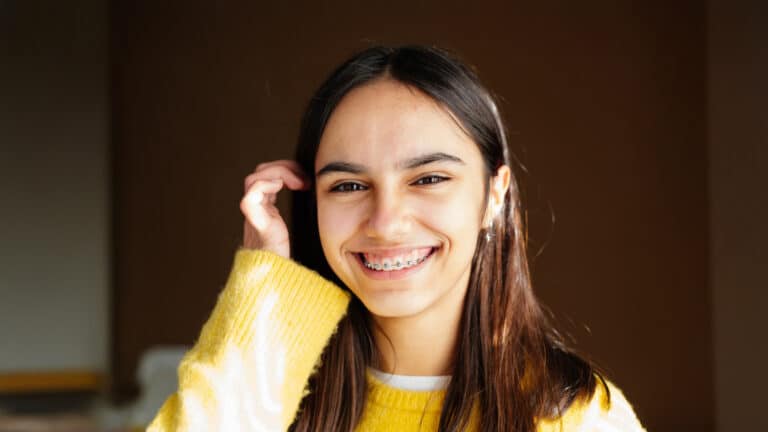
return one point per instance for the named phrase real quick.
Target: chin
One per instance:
(394, 304)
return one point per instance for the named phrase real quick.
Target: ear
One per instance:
(497, 189)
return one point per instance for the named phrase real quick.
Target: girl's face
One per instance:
(400, 193)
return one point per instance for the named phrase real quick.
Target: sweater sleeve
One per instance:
(250, 365)
(606, 411)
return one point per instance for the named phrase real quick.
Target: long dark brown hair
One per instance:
(509, 362)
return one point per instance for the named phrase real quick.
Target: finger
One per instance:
(290, 179)
(255, 212)
(294, 182)
(293, 167)
(258, 200)
(290, 165)
(287, 163)
(264, 191)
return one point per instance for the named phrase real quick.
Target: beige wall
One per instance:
(54, 186)
(738, 128)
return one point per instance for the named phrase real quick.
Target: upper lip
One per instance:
(393, 251)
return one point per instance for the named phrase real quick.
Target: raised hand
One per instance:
(264, 228)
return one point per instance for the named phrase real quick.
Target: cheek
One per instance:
(457, 215)
(336, 224)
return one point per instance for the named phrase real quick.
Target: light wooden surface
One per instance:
(53, 423)
(46, 381)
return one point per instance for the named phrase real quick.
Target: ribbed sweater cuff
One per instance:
(309, 306)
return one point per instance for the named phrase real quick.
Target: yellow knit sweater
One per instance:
(250, 366)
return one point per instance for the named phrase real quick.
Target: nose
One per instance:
(389, 217)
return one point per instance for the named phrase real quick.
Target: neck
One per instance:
(423, 344)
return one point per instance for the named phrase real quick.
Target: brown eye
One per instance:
(431, 179)
(348, 187)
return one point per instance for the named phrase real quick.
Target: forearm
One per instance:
(257, 350)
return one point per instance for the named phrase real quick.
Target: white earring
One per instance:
(489, 232)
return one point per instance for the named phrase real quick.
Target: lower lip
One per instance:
(393, 274)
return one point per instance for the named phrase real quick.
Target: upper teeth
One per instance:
(396, 262)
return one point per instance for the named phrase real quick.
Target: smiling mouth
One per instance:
(384, 264)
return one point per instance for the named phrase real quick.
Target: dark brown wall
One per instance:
(738, 116)
(606, 105)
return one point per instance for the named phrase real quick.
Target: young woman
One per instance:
(402, 298)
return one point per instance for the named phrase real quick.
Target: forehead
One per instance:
(386, 121)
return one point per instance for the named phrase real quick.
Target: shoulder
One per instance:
(608, 410)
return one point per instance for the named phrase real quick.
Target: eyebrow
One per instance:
(353, 168)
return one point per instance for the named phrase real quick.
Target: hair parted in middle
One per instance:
(510, 362)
